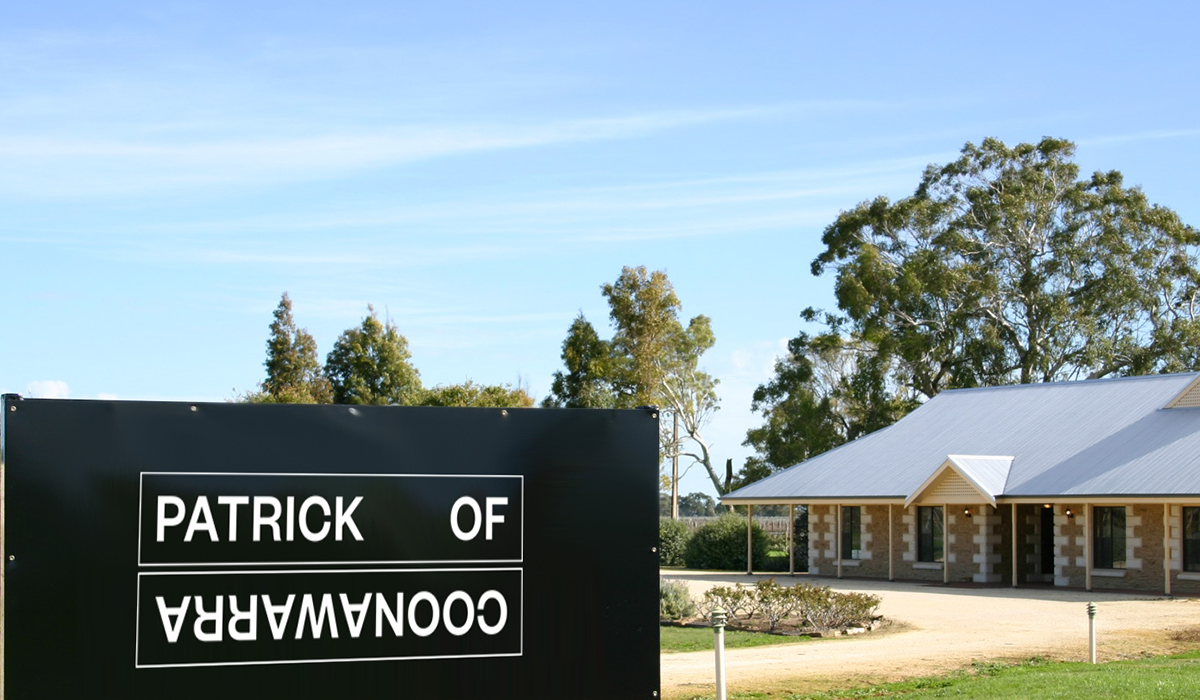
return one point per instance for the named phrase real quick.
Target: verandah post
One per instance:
(749, 540)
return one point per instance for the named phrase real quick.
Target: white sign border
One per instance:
(341, 562)
(137, 618)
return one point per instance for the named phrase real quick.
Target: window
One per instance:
(1108, 537)
(1191, 539)
(929, 534)
(851, 531)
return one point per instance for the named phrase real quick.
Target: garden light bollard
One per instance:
(1091, 608)
(718, 623)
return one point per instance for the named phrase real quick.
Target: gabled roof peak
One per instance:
(1189, 397)
(985, 475)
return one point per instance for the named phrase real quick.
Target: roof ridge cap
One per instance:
(1071, 382)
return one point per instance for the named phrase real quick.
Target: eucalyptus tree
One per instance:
(1004, 266)
(651, 359)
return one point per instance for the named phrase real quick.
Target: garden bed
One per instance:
(773, 608)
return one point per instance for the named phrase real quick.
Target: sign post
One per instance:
(719, 616)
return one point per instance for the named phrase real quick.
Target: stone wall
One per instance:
(986, 552)
(822, 531)
(1143, 549)
(873, 561)
(960, 545)
(1069, 544)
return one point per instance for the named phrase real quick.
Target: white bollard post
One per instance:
(718, 623)
(1091, 608)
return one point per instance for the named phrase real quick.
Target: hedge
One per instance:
(721, 545)
(673, 537)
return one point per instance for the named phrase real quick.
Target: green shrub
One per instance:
(674, 601)
(721, 544)
(673, 536)
(777, 543)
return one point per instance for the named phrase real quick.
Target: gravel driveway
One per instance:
(936, 628)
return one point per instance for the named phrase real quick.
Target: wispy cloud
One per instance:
(1154, 135)
(366, 237)
(659, 205)
(71, 166)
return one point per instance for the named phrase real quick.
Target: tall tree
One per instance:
(689, 397)
(656, 362)
(293, 370)
(646, 344)
(370, 365)
(1003, 267)
(652, 359)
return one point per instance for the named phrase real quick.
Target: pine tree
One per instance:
(293, 371)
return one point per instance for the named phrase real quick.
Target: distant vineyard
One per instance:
(772, 525)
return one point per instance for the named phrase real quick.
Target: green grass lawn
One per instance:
(676, 639)
(1166, 678)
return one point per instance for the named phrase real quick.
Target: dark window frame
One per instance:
(851, 532)
(1191, 538)
(1109, 537)
(931, 538)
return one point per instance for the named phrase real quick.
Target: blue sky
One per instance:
(477, 170)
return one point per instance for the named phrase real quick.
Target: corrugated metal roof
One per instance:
(1084, 438)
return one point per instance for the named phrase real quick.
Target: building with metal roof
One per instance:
(1089, 483)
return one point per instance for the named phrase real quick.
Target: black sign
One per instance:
(248, 551)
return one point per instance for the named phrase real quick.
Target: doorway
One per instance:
(1046, 545)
